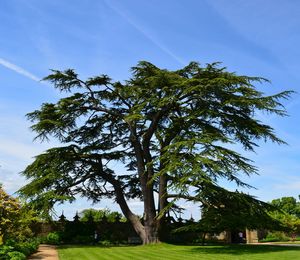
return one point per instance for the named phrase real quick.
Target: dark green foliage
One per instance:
(226, 210)
(171, 130)
(78, 232)
(79, 239)
(223, 210)
(82, 232)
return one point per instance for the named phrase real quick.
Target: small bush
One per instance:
(28, 247)
(276, 237)
(53, 238)
(106, 243)
(13, 250)
(15, 255)
(10, 253)
(4, 250)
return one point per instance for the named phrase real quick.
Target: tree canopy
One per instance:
(288, 205)
(100, 215)
(9, 212)
(235, 211)
(172, 132)
(288, 213)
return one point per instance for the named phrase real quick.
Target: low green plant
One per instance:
(277, 236)
(16, 255)
(53, 238)
(106, 243)
(10, 253)
(27, 247)
(16, 250)
(4, 250)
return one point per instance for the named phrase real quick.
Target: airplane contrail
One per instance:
(18, 70)
(145, 33)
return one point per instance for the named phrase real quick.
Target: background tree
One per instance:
(287, 213)
(233, 211)
(171, 130)
(9, 212)
(15, 218)
(100, 214)
(288, 205)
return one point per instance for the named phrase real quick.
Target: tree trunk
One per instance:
(147, 232)
(143, 156)
(151, 234)
(203, 238)
(162, 203)
(150, 222)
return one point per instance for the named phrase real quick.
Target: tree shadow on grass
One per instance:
(68, 246)
(243, 249)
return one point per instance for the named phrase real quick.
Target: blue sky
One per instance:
(257, 38)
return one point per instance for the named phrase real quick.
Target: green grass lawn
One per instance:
(174, 252)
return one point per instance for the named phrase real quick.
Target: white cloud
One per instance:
(18, 150)
(289, 186)
(136, 206)
(18, 70)
(11, 181)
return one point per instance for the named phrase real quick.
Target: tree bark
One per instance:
(162, 203)
(143, 156)
(134, 219)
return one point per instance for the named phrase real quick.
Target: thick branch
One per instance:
(120, 198)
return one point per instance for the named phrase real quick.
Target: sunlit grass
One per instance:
(175, 252)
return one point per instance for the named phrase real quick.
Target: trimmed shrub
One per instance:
(53, 238)
(276, 237)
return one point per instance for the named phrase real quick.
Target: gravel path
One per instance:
(45, 252)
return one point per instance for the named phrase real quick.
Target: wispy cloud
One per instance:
(19, 150)
(10, 180)
(18, 70)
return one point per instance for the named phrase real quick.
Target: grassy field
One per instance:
(174, 252)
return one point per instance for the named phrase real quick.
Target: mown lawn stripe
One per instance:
(173, 252)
